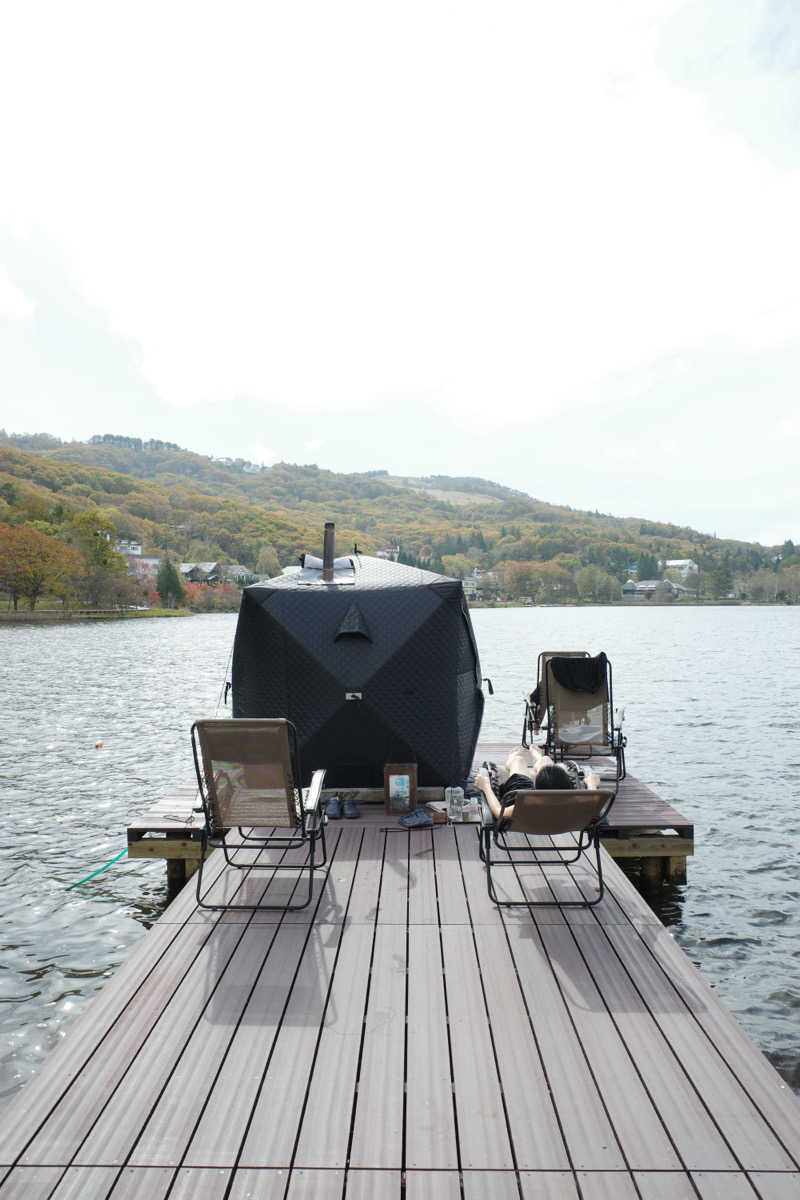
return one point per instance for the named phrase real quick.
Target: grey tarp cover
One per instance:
(397, 640)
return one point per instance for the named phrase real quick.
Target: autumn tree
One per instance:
(32, 563)
(267, 561)
(95, 536)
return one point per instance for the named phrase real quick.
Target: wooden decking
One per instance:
(403, 1037)
(641, 825)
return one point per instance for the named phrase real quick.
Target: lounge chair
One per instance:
(579, 702)
(535, 710)
(249, 776)
(579, 812)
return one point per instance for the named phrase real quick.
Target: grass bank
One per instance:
(44, 615)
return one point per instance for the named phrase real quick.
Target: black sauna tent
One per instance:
(377, 666)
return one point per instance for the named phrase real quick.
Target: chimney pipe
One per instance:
(327, 553)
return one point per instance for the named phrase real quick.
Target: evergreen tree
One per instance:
(168, 584)
(648, 567)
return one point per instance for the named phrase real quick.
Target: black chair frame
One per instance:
(311, 828)
(492, 833)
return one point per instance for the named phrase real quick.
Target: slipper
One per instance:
(350, 809)
(334, 808)
(418, 819)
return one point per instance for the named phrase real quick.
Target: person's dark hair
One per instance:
(553, 778)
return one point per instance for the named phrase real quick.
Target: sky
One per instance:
(552, 245)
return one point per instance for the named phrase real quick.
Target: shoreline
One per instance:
(54, 616)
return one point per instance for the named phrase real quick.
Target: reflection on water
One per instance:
(710, 701)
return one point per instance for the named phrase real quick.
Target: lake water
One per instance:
(711, 716)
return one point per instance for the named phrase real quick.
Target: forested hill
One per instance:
(230, 510)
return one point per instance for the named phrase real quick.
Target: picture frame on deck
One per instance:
(400, 787)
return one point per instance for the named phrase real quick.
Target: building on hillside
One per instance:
(646, 587)
(201, 572)
(236, 573)
(128, 546)
(390, 553)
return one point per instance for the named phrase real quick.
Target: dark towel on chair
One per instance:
(580, 674)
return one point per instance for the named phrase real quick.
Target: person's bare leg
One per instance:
(527, 760)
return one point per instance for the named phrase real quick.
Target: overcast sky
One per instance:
(554, 245)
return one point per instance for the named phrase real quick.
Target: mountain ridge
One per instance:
(198, 507)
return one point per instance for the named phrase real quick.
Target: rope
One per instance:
(221, 698)
(98, 871)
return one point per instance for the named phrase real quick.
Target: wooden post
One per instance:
(652, 872)
(676, 869)
(176, 873)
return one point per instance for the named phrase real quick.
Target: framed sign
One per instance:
(400, 787)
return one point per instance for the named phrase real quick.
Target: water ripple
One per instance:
(728, 763)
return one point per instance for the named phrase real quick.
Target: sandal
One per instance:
(418, 819)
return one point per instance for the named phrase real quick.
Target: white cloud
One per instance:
(429, 232)
(13, 301)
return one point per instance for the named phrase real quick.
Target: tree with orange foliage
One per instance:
(32, 563)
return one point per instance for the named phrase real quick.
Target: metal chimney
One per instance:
(327, 553)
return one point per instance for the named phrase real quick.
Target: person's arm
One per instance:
(483, 782)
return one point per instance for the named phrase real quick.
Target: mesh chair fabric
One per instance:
(248, 773)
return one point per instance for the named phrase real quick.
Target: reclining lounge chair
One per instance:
(579, 702)
(543, 812)
(249, 773)
(535, 709)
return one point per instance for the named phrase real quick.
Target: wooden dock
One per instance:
(641, 826)
(405, 1038)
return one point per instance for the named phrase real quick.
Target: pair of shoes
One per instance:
(350, 809)
(333, 809)
(418, 819)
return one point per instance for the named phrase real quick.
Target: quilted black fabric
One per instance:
(397, 640)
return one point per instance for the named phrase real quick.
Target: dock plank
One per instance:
(637, 1124)
(378, 1125)
(756, 1074)
(451, 897)
(404, 1036)
(422, 906)
(590, 1138)
(683, 1114)
(271, 1136)
(68, 1061)
(745, 1129)
(212, 1140)
(393, 908)
(324, 1130)
(537, 1137)
(246, 989)
(483, 1136)
(430, 1122)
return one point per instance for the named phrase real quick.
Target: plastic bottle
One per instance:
(455, 803)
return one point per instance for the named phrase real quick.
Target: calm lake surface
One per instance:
(711, 700)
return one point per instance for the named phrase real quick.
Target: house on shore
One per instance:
(646, 588)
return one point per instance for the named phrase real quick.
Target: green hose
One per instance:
(98, 871)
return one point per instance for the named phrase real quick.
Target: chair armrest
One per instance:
(487, 819)
(311, 802)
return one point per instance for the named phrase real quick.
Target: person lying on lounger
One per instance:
(528, 768)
